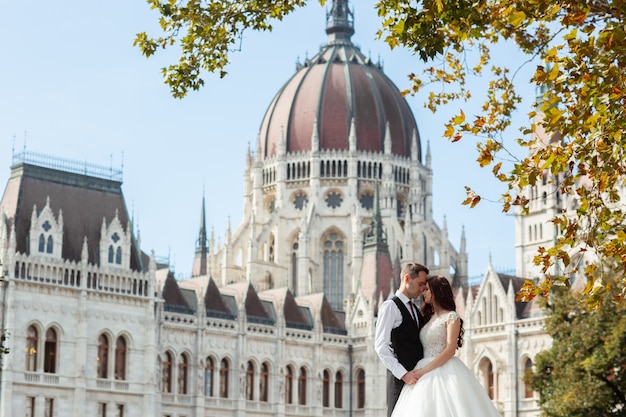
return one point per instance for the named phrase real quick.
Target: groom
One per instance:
(397, 332)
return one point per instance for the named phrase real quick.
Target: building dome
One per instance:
(330, 91)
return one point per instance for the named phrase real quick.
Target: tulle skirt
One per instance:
(450, 390)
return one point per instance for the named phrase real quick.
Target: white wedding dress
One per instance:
(450, 390)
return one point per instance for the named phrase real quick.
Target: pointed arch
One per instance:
(102, 365)
(333, 247)
(50, 351)
(250, 381)
(360, 388)
(487, 377)
(209, 376)
(326, 388)
(264, 382)
(42, 243)
(224, 373)
(339, 389)
(166, 372)
(302, 386)
(32, 343)
(121, 354)
(289, 374)
(183, 374)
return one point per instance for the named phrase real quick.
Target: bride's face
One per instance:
(427, 295)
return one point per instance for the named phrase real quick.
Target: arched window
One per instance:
(49, 245)
(326, 389)
(183, 370)
(487, 376)
(294, 268)
(338, 390)
(250, 381)
(167, 373)
(111, 254)
(42, 243)
(333, 270)
(360, 388)
(289, 385)
(490, 382)
(103, 357)
(271, 249)
(209, 370)
(50, 352)
(118, 255)
(224, 378)
(302, 387)
(32, 340)
(120, 358)
(264, 382)
(528, 367)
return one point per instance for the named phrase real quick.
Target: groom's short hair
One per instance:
(413, 269)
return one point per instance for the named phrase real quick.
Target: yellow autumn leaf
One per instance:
(460, 118)
(517, 18)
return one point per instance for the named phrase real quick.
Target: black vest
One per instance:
(405, 340)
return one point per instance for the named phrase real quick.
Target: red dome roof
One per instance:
(331, 89)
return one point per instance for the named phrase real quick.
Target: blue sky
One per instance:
(72, 85)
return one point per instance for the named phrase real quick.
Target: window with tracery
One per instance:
(264, 382)
(102, 369)
(333, 270)
(360, 388)
(528, 367)
(50, 352)
(271, 248)
(338, 390)
(250, 381)
(183, 374)
(487, 376)
(224, 366)
(209, 370)
(289, 385)
(32, 340)
(120, 358)
(166, 381)
(302, 387)
(326, 389)
(294, 268)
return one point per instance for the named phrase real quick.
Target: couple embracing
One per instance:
(418, 347)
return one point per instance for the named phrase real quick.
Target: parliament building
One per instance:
(276, 320)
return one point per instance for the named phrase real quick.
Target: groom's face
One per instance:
(416, 285)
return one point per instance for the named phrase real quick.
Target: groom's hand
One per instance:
(410, 377)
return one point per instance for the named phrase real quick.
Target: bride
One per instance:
(445, 386)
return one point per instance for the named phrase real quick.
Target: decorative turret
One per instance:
(376, 271)
(339, 22)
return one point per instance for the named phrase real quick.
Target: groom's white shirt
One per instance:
(389, 317)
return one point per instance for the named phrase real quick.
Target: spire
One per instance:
(462, 249)
(376, 233)
(200, 260)
(339, 22)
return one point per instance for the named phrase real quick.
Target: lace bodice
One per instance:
(433, 335)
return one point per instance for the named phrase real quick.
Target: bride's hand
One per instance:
(410, 377)
(419, 372)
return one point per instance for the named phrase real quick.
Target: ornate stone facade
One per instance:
(279, 319)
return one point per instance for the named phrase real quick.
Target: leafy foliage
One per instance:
(581, 111)
(207, 32)
(583, 373)
(576, 140)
